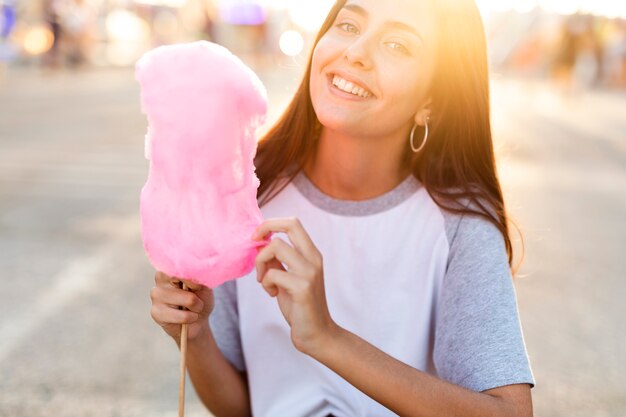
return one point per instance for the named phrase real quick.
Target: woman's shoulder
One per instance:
(467, 221)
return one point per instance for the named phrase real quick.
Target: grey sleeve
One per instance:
(224, 324)
(478, 338)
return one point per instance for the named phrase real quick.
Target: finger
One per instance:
(283, 252)
(289, 225)
(275, 279)
(272, 264)
(161, 278)
(294, 230)
(176, 298)
(177, 282)
(165, 315)
(192, 285)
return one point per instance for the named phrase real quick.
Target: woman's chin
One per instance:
(341, 125)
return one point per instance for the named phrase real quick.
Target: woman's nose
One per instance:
(359, 52)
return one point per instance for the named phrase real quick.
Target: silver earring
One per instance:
(413, 148)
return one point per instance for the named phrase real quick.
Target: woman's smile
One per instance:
(350, 87)
(370, 71)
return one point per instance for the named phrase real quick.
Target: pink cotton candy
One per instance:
(199, 207)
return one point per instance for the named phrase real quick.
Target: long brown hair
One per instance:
(457, 165)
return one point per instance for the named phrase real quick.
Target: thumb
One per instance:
(203, 292)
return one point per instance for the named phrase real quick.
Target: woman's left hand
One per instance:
(294, 275)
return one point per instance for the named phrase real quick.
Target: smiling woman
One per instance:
(359, 42)
(447, 72)
(387, 286)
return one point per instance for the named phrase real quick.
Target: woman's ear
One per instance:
(423, 114)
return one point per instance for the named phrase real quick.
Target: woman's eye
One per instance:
(398, 47)
(348, 27)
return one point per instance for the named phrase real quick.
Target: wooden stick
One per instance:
(183, 361)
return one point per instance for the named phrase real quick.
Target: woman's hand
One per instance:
(294, 275)
(167, 298)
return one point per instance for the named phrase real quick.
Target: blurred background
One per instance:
(76, 337)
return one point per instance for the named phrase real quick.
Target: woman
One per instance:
(382, 165)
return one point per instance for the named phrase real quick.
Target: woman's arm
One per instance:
(409, 392)
(222, 389)
(294, 275)
(219, 385)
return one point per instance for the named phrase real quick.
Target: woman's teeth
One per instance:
(348, 87)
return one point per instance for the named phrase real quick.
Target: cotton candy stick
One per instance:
(198, 207)
(183, 362)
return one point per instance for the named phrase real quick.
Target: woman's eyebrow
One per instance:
(393, 24)
(356, 9)
(405, 27)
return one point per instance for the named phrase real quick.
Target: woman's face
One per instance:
(371, 71)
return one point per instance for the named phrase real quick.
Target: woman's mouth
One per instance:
(350, 87)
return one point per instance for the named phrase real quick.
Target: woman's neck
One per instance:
(350, 168)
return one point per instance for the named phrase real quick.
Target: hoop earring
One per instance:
(413, 148)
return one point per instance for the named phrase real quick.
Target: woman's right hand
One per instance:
(167, 298)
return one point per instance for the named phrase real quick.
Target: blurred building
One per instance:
(570, 41)
(69, 33)
(559, 40)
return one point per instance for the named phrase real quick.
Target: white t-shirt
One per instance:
(430, 288)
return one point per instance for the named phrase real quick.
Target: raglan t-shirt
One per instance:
(431, 288)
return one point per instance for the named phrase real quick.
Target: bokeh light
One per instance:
(243, 12)
(38, 40)
(291, 43)
(129, 35)
(123, 25)
(309, 14)
(525, 6)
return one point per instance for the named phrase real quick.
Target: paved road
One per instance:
(563, 165)
(76, 338)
